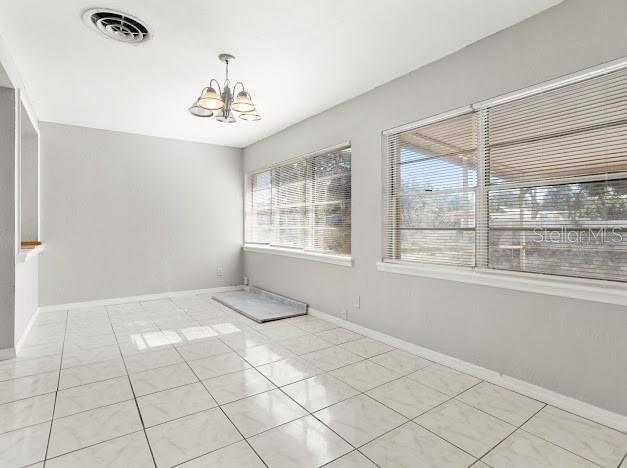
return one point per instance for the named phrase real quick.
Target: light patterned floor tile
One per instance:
(160, 407)
(360, 419)
(411, 446)
(444, 379)
(319, 392)
(26, 387)
(85, 397)
(365, 375)
(315, 325)
(352, 460)
(408, 397)
(264, 354)
(26, 412)
(305, 344)
(92, 427)
(214, 366)
(500, 402)
(24, 446)
(264, 411)
(305, 442)
(338, 336)
(160, 379)
(152, 360)
(238, 385)
(524, 450)
(288, 371)
(201, 349)
(129, 450)
(16, 368)
(400, 361)
(237, 455)
(192, 436)
(466, 427)
(366, 347)
(590, 440)
(332, 358)
(90, 373)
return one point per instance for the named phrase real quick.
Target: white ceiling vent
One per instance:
(117, 25)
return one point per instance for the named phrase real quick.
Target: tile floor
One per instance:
(187, 382)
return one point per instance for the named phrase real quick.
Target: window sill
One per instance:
(24, 255)
(341, 260)
(576, 288)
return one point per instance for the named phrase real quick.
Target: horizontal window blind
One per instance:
(303, 204)
(557, 180)
(430, 177)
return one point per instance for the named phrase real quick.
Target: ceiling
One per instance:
(296, 57)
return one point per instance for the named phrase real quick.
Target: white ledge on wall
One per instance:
(576, 288)
(24, 255)
(342, 260)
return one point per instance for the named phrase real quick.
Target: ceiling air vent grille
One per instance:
(117, 25)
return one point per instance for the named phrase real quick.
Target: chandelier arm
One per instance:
(217, 83)
(235, 87)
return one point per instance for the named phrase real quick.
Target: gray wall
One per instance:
(126, 215)
(7, 217)
(29, 187)
(26, 294)
(574, 347)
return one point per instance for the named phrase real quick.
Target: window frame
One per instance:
(599, 290)
(296, 252)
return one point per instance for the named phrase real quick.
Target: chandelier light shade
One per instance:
(222, 102)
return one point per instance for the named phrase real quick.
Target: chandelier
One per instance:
(224, 104)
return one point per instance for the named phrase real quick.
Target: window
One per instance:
(304, 204)
(535, 184)
(430, 194)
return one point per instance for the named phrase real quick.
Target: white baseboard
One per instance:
(572, 405)
(29, 325)
(122, 300)
(7, 353)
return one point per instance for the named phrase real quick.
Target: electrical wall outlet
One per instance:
(245, 280)
(344, 314)
(219, 271)
(356, 302)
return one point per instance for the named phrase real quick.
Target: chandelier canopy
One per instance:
(224, 104)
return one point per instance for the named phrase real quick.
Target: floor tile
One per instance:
(129, 450)
(214, 366)
(264, 354)
(49, 349)
(352, 460)
(160, 407)
(305, 344)
(243, 340)
(16, 368)
(288, 371)
(502, 403)
(590, 440)
(466, 427)
(360, 419)
(408, 397)
(366, 347)
(400, 361)
(524, 450)
(201, 349)
(305, 442)
(338, 336)
(90, 373)
(237, 455)
(90, 343)
(411, 446)
(444, 379)
(189, 437)
(238, 385)
(152, 360)
(281, 333)
(319, 392)
(163, 378)
(26, 412)
(24, 446)
(315, 325)
(264, 411)
(92, 427)
(332, 358)
(86, 397)
(365, 375)
(25, 387)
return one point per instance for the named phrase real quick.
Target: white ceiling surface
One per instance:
(297, 57)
